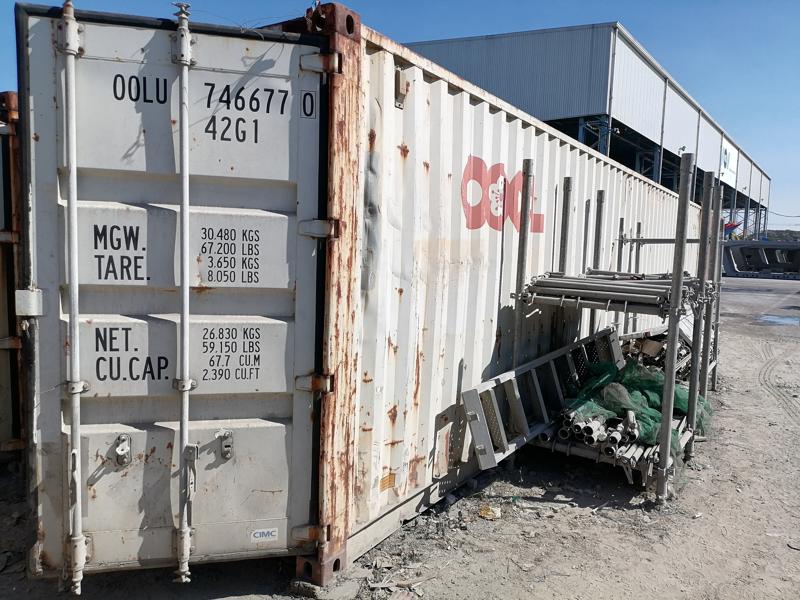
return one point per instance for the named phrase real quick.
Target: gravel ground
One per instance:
(548, 526)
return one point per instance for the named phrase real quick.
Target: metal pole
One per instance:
(717, 276)
(598, 230)
(619, 258)
(522, 255)
(75, 385)
(714, 266)
(709, 197)
(184, 383)
(637, 267)
(586, 214)
(668, 395)
(565, 210)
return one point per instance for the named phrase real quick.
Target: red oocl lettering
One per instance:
(500, 199)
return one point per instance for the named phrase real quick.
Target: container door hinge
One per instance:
(315, 383)
(322, 63)
(28, 303)
(319, 228)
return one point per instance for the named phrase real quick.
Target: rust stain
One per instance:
(372, 136)
(169, 445)
(125, 473)
(393, 414)
(366, 429)
(367, 378)
(413, 470)
(392, 345)
(427, 165)
(392, 443)
(35, 137)
(417, 376)
(403, 150)
(400, 292)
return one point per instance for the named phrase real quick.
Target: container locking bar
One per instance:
(69, 45)
(182, 55)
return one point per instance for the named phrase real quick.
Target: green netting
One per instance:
(609, 392)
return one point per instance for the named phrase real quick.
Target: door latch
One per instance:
(122, 449)
(225, 437)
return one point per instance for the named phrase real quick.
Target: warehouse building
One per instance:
(599, 85)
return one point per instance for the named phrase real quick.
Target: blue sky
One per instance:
(740, 59)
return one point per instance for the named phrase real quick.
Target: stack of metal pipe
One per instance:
(608, 290)
(610, 435)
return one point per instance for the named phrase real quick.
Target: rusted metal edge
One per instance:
(337, 450)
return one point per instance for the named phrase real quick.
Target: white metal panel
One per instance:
(708, 150)
(551, 74)
(680, 124)
(729, 162)
(755, 185)
(253, 289)
(637, 92)
(743, 175)
(439, 257)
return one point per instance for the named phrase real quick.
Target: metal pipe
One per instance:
(598, 230)
(717, 276)
(578, 303)
(619, 259)
(668, 395)
(566, 207)
(637, 267)
(601, 285)
(640, 240)
(620, 296)
(522, 256)
(709, 197)
(184, 383)
(586, 214)
(710, 308)
(75, 385)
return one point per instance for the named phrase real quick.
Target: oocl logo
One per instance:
(489, 197)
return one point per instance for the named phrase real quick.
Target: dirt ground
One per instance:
(565, 527)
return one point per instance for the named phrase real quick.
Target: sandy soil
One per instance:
(565, 527)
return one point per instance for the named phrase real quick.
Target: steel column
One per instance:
(710, 196)
(522, 255)
(598, 230)
(566, 207)
(714, 267)
(668, 395)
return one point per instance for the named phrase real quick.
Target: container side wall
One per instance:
(439, 257)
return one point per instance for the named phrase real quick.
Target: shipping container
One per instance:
(258, 268)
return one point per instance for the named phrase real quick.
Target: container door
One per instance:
(254, 133)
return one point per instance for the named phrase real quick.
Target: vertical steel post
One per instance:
(714, 267)
(566, 208)
(637, 266)
(717, 278)
(71, 48)
(522, 255)
(620, 238)
(598, 232)
(710, 196)
(676, 296)
(587, 209)
(184, 383)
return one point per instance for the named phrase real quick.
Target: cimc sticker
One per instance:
(500, 197)
(264, 535)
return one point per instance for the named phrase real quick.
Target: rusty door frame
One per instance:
(335, 410)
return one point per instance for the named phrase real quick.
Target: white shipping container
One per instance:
(352, 230)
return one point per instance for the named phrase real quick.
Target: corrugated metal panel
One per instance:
(638, 92)
(743, 175)
(708, 152)
(440, 256)
(551, 74)
(680, 124)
